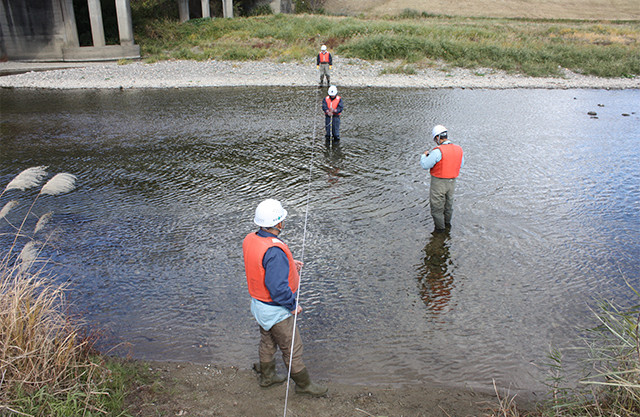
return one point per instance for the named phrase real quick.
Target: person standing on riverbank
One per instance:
(444, 163)
(324, 63)
(332, 107)
(273, 279)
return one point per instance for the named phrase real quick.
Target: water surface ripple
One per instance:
(546, 221)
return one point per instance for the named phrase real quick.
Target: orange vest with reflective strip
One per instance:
(254, 248)
(332, 104)
(324, 57)
(449, 165)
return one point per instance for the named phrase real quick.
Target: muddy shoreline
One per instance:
(197, 390)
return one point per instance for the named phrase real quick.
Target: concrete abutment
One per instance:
(46, 30)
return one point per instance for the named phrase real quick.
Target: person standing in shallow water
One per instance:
(332, 107)
(444, 163)
(273, 280)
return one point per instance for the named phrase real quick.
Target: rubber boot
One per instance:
(268, 376)
(305, 386)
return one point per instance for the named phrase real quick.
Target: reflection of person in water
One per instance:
(334, 156)
(435, 281)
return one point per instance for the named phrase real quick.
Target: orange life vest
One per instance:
(324, 57)
(449, 165)
(333, 104)
(254, 248)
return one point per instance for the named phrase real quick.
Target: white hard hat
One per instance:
(323, 48)
(438, 130)
(269, 213)
(333, 90)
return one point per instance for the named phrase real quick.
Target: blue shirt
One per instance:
(434, 157)
(267, 315)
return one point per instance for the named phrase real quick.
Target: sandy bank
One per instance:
(347, 72)
(188, 389)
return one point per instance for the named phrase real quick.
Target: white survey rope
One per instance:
(304, 236)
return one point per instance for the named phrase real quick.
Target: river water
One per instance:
(546, 222)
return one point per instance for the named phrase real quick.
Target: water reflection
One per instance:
(435, 275)
(334, 157)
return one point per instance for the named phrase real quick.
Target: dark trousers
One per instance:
(332, 127)
(441, 200)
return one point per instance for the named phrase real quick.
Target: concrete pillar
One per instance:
(276, 6)
(227, 8)
(97, 27)
(206, 8)
(125, 25)
(4, 31)
(70, 27)
(183, 10)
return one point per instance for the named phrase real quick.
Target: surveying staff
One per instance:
(273, 279)
(444, 163)
(324, 62)
(332, 107)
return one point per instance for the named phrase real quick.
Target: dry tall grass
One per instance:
(539, 9)
(611, 382)
(46, 365)
(41, 350)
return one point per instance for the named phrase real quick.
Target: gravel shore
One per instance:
(348, 72)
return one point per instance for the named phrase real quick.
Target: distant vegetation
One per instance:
(530, 47)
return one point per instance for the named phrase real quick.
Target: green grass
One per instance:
(530, 47)
(109, 388)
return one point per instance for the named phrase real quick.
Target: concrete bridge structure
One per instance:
(184, 11)
(46, 30)
(278, 6)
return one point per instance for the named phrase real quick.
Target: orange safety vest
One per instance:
(333, 104)
(254, 248)
(324, 57)
(449, 165)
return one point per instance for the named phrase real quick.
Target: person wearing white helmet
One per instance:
(332, 106)
(444, 163)
(273, 279)
(324, 62)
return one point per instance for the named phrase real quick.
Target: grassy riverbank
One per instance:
(414, 40)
